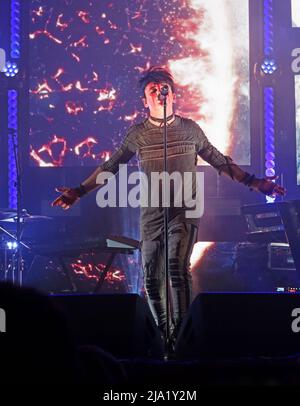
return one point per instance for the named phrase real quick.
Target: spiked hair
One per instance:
(156, 74)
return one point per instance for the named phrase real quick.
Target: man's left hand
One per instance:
(268, 187)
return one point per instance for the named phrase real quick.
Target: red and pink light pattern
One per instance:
(92, 271)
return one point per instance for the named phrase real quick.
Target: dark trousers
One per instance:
(182, 237)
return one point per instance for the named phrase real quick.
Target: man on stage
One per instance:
(186, 140)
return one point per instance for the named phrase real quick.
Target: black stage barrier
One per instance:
(119, 323)
(229, 325)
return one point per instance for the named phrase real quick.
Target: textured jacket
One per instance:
(186, 140)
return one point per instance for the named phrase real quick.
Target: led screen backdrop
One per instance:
(86, 57)
(296, 13)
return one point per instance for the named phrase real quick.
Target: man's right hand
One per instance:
(67, 198)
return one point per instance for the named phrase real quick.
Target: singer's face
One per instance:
(151, 99)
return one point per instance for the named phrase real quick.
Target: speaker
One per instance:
(228, 325)
(119, 323)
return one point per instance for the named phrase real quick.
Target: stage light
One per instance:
(270, 172)
(12, 121)
(15, 29)
(11, 245)
(270, 164)
(269, 66)
(270, 155)
(10, 69)
(269, 135)
(268, 28)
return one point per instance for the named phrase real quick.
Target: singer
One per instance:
(186, 140)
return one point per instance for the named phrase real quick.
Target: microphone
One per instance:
(164, 91)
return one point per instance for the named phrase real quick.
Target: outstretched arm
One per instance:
(69, 196)
(263, 185)
(226, 166)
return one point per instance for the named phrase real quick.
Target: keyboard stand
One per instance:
(61, 255)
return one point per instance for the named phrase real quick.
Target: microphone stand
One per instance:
(164, 94)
